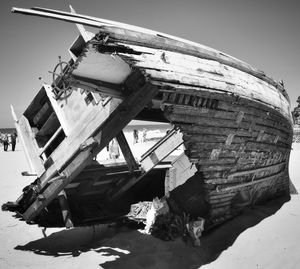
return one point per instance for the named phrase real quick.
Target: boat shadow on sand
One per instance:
(124, 247)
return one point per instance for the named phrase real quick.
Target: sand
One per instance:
(264, 237)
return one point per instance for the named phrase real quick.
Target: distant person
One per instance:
(114, 152)
(5, 142)
(135, 136)
(13, 141)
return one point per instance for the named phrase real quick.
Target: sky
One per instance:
(263, 33)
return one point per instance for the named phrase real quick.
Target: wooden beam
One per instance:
(32, 169)
(65, 210)
(27, 138)
(130, 160)
(83, 32)
(151, 158)
(247, 184)
(57, 132)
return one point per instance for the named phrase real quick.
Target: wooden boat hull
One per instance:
(236, 126)
(235, 121)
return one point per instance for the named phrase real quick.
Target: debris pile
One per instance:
(162, 223)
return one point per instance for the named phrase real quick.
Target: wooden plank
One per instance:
(257, 170)
(230, 178)
(25, 148)
(97, 86)
(130, 160)
(212, 130)
(226, 121)
(151, 158)
(49, 126)
(28, 138)
(51, 140)
(42, 114)
(57, 109)
(259, 181)
(258, 117)
(83, 32)
(65, 210)
(212, 138)
(225, 101)
(265, 96)
(114, 69)
(161, 150)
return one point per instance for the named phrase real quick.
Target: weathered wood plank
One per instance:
(248, 184)
(153, 157)
(233, 103)
(205, 121)
(62, 198)
(130, 160)
(28, 137)
(230, 178)
(270, 97)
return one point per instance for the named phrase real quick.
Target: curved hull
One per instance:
(236, 126)
(242, 156)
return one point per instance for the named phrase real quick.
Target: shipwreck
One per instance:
(233, 121)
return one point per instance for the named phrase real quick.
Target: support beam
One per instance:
(131, 163)
(152, 157)
(65, 210)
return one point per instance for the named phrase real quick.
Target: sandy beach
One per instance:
(263, 237)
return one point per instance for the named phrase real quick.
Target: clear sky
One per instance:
(263, 33)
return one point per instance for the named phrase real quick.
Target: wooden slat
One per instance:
(266, 168)
(28, 139)
(151, 158)
(57, 132)
(233, 103)
(49, 126)
(22, 140)
(62, 198)
(231, 179)
(130, 160)
(259, 181)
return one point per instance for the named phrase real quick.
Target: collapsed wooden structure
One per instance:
(234, 121)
